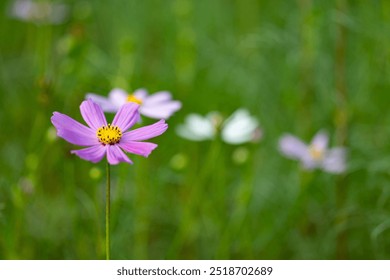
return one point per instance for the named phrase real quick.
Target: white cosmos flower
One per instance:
(316, 154)
(157, 106)
(239, 128)
(40, 12)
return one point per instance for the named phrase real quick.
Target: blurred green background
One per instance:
(298, 66)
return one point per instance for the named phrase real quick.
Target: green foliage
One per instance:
(298, 66)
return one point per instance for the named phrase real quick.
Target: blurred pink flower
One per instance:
(40, 12)
(157, 106)
(316, 154)
(107, 139)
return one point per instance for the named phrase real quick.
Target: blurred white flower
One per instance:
(316, 154)
(239, 128)
(40, 12)
(199, 128)
(156, 106)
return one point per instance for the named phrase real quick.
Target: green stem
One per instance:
(341, 129)
(108, 213)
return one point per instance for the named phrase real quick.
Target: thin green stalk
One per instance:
(341, 129)
(108, 213)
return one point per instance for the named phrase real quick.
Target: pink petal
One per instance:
(141, 94)
(93, 154)
(334, 161)
(158, 97)
(105, 103)
(73, 131)
(145, 132)
(320, 140)
(115, 155)
(160, 110)
(139, 148)
(127, 116)
(117, 97)
(292, 147)
(92, 114)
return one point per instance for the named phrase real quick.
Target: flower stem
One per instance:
(341, 129)
(108, 213)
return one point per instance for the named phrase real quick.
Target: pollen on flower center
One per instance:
(109, 135)
(132, 98)
(316, 153)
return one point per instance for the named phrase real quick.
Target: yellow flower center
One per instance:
(109, 135)
(132, 98)
(315, 153)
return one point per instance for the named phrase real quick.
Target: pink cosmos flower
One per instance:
(107, 139)
(157, 106)
(316, 154)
